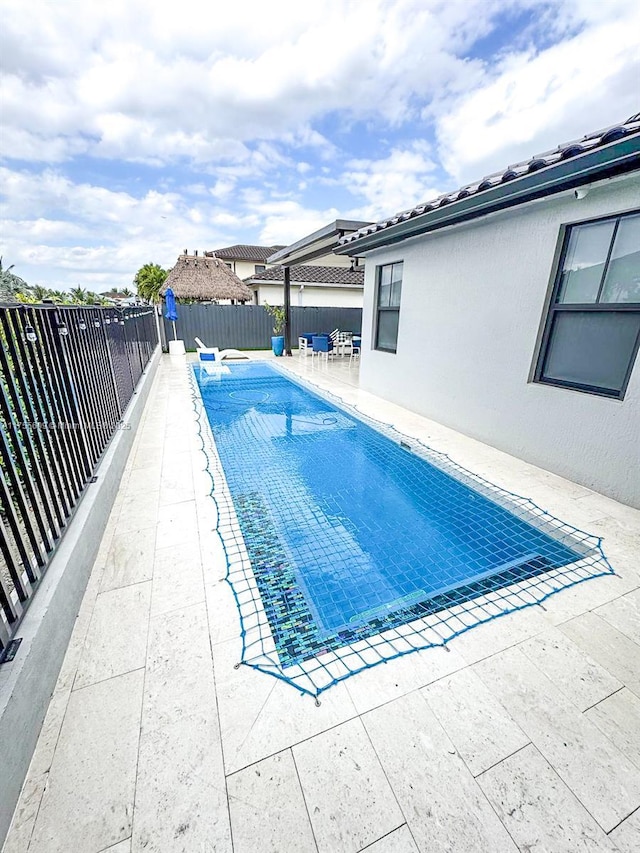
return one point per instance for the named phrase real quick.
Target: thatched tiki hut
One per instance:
(205, 279)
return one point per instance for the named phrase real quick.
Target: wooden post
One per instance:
(287, 310)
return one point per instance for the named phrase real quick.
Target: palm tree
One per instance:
(149, 280)
(11, 284)
(126, 292)
(78, 295)
(39, 292)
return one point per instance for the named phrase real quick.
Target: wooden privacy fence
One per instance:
(250, 327)
(67, 374)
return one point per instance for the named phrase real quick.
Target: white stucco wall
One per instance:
(473, 299)
(317, 297)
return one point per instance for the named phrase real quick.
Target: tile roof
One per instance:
(309, 274)
(567, 151)
(242, 252)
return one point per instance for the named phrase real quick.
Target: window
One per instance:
(389, 287)
(592, 332)
(259, 268)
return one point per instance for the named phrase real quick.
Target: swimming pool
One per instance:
(352, 530)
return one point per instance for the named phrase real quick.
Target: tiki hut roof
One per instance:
(205, 279)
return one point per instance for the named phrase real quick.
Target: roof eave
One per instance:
(620, 157)
(315, 245)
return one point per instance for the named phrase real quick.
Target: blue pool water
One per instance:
(348, 531)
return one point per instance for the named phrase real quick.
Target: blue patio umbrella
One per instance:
(170, 310)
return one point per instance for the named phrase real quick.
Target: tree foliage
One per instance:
(149, 280)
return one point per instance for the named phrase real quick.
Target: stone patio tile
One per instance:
(117, 638)
(25, 814)
(398, 841)
(575, 600)
(261, 715)
(177, 578)
(268, 812)
(443, 804)
(138, 512)
(347, 795)
(626, 836)
(147, 454)
(224, 619)
(130, 559)
(480, 728)
(624, 614)
(538, 809)
(176, 482)
(143, 480)
(122, 847)
(602, 778)
(174, 690)
(611, 649)
(88, 802)
(578, 676)
(619, 718)
(498, 634)
(374, 687)
(177, 524)
(181, 798)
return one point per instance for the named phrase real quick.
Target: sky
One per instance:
(134, 129)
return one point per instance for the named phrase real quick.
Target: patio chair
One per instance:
(215, 354)
(305, 343)
(322, 346)
(356, 345)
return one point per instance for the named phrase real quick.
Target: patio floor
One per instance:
(524, 736)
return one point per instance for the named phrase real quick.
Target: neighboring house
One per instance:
(311, 285)
(510, 310)
(244, 260)
(205, 279)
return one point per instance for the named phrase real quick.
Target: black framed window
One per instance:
(592, 332)
(388, 291)
(259, 268)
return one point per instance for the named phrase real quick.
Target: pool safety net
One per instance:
(344, 550)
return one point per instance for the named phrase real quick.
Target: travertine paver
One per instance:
(444, 807)
(611, 649)
(624, 614)
(349, 800)
(480, 728)
(155, 743)
(398, 841)
(130, 559)
(600, 775)
(538, 809)
(626, 836)
(578, 676)
(88, 802)
(619, 718)
(268, 811)
(117, 638)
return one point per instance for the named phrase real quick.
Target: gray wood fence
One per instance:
(250, 327)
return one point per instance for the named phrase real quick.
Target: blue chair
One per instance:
(322, 346)
(356, 346)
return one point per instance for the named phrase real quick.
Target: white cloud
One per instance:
(287, 221)
(533, 102)
(85, 230)
(150, 82)
(393, 183)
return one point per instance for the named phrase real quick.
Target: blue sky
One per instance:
(133, 129)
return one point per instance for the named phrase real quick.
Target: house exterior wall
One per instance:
(317, 297)
(243, 269)
(473, 301)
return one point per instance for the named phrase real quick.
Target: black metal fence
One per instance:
(250, 327)
(66, 377)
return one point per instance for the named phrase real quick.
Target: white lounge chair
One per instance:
(218, 354)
